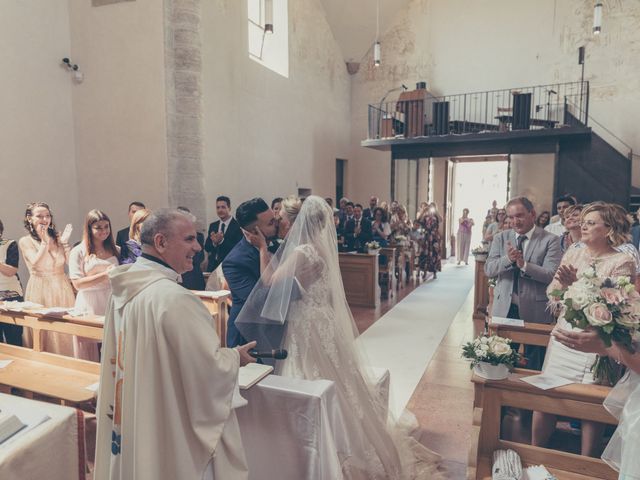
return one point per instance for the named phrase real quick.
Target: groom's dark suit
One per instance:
(241, 269)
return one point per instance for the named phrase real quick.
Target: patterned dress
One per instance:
(431, 254)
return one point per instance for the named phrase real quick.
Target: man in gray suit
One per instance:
(524, 261)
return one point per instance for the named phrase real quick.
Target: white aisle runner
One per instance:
(406, 337)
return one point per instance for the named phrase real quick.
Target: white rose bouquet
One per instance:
(494, 350)
(611, 306)
(373, 245)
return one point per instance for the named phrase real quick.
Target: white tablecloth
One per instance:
(53, 450)
(291, 429)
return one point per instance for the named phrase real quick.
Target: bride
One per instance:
(299, 304)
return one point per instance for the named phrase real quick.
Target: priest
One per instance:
(165, 399)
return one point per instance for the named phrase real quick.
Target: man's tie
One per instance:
(222, 228)
(516, 269)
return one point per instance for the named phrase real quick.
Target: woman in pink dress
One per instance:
(45, 253)
(464, 236)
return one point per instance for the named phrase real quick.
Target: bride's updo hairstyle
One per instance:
(316, 211)
(290, 207)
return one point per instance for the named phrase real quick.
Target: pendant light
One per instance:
(376, 46)
(268, 16)
(597, 19)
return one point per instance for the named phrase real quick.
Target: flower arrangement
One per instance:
(400, 239)
(611, 306)
(373, 245)
(480, 250)
(494, 350)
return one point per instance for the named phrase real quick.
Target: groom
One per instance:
(241, 267)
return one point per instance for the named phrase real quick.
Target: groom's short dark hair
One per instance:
(247, 212)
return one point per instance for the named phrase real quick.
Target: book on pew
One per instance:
(251, 374)
(9, 426)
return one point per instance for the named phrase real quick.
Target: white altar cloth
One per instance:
(53, 449)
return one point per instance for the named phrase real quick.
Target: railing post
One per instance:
(586, 115)
(464, 114)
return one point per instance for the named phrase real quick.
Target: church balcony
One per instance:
(419, 119)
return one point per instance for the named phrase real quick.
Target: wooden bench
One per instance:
(575, 401)
(530, 334)
(60, 379)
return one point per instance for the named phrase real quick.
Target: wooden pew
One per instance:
(576, 401)
(530, 334)
(58, 378)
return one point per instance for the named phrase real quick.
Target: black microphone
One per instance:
(278, 354)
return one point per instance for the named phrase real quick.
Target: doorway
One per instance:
(474, 183)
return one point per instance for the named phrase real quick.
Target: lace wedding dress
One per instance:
(302, 289)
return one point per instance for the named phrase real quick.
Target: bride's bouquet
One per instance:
(611, 306)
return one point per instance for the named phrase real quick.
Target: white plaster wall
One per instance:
(462, 46)
(119, 109)
(36, 122)
(531, 176)
(264, 134)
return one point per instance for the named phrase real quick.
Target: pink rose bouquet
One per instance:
(611, 306)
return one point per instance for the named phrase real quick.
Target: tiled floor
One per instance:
(442, 402)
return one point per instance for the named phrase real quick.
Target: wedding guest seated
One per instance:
(572, 224)
(557, 227)
(123, 235)
(380, 228)
(543, 219)
(604, 227)
(45, 253)
(368, 212)
(347, 215)
(89, 264)
(10, 288)
(134, 247)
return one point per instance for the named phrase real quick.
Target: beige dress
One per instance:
(49, 286)
(563, 361)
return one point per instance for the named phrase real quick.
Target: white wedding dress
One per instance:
(302, 289)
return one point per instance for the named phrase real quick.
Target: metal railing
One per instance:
(419, 114)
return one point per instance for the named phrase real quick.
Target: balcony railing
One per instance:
(419, 114)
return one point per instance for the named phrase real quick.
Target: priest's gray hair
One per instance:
(162, 221)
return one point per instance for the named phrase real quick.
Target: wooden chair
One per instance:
(576, 401)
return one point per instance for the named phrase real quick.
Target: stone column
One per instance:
(183, 78)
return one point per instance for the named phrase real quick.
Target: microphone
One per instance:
(278, 354)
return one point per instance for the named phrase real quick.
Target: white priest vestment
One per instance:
(164, 404)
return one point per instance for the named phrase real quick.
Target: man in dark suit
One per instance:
(123, 235)
(223, 234)
(241, 267)
(347, 215)
(373, 204)
(524, 261)
(358, 230)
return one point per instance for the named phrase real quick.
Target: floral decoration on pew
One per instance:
(611, 306)
(373, 245)
(491, 351)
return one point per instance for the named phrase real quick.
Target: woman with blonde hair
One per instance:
(134, 246)
(45, 253)
(89, 263)
(604, 227)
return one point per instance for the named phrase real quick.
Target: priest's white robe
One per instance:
(164, 404)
